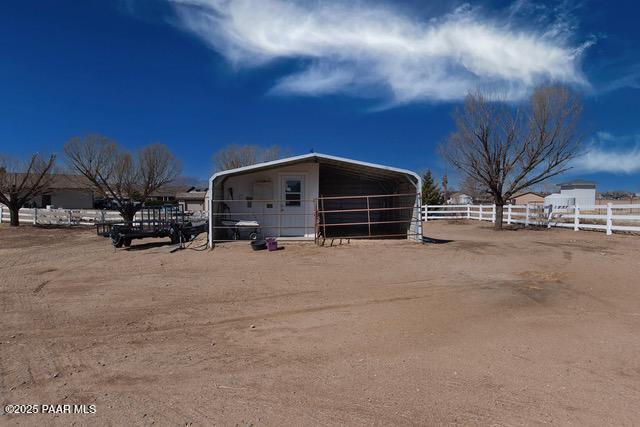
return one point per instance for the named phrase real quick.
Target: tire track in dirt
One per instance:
(366, 334)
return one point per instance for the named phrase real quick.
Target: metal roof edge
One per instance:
(311, 156)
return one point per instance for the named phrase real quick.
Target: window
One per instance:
(293, 192)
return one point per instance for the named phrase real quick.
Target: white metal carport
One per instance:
(317, 194)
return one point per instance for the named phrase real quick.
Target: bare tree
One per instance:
(116, 173)
(445, 192)
(236, 156)
(473, 187)
(509, 148)
(273, 152)
(21, 181)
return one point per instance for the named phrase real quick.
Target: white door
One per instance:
(292, 205)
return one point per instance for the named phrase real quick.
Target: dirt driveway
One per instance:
(517, 327)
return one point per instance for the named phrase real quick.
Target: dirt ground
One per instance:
(517, 327)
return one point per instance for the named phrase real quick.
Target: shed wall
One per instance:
(266, 206)
(582, 196)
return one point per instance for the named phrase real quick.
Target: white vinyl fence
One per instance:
(608, 218)
(37, 216)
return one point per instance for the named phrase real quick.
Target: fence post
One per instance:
(1, 213)
(509, 214)
(480, 213)
(576, 218)
(35, 215)
(468, 211)
(609, 219)
(369, 216)
(426, 213)
(526, 216)
(69, 220)
(493, 213)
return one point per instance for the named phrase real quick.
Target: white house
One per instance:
(581, 193)
(314, 195)
(193, 199)
(68, 192)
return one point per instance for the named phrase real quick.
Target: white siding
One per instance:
(581, 196)
(577, 196)
(269, 217)
(193, 206)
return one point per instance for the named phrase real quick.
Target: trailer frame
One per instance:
(155, 222)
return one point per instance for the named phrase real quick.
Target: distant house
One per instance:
(579, 192)
(460, 199)
(68, 192)
(193, 199)
(167, 194)
(527, 198)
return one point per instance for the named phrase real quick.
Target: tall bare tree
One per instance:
(508, 148)
(236, 156)
(21, 181)
(445, 193)
(473, 187)
(116, 173)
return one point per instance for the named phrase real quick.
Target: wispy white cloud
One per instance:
(630, 78)
(609, 153)
(365, 49)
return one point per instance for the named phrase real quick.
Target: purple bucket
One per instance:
(272, 243)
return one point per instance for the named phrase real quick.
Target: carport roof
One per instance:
(372, 169)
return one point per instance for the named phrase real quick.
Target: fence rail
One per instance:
(608, 218)
(86, 217)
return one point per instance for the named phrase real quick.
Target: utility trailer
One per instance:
(155, 221)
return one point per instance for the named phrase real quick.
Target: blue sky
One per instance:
(375, 81)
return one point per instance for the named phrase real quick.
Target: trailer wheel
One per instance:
(253, 236)
(117, 240)
(175, 237)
